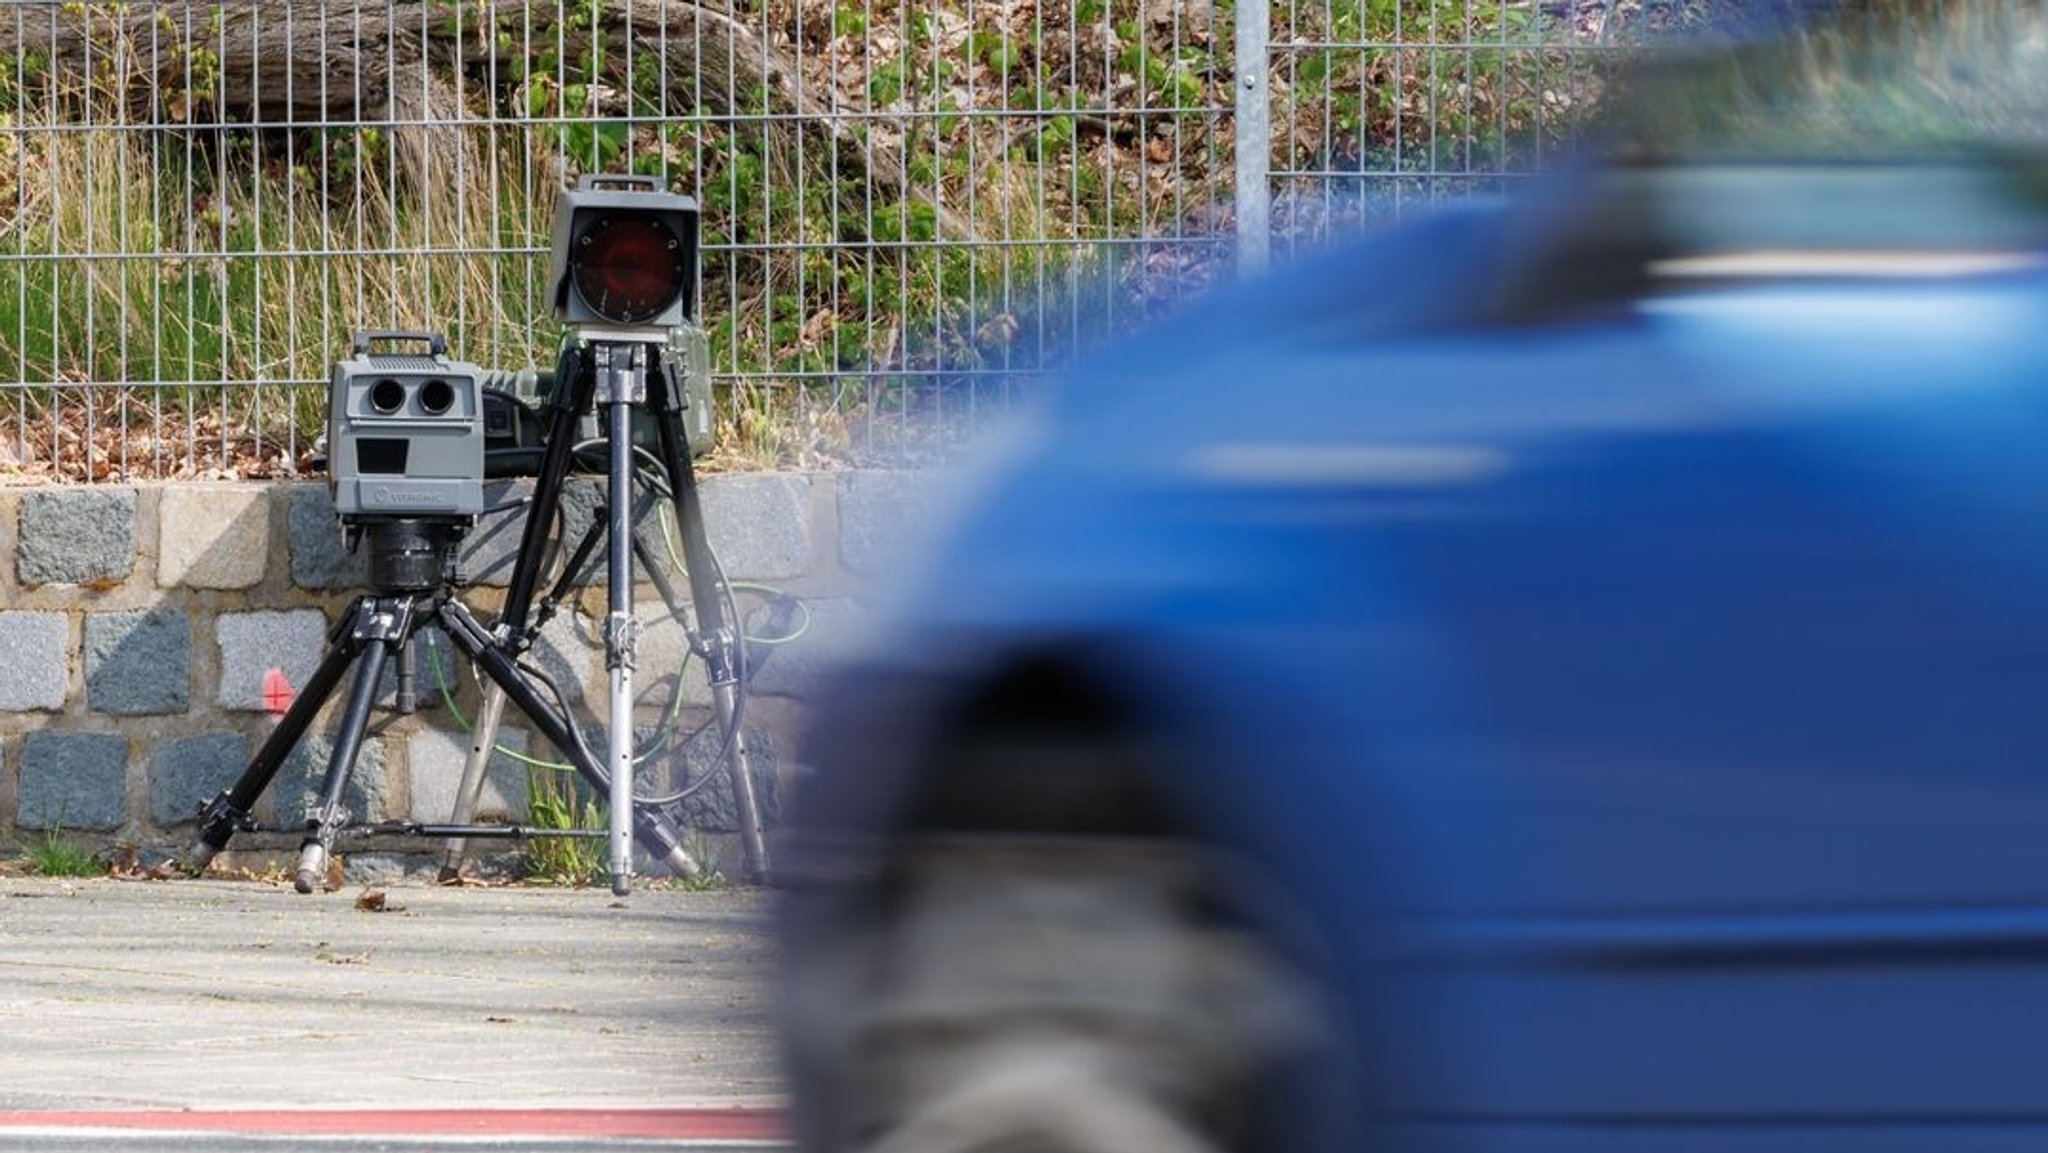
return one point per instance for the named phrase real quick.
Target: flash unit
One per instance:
(624, 253)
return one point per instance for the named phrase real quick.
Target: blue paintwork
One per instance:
(1650, 706)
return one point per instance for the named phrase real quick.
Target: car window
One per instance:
(1885, 139)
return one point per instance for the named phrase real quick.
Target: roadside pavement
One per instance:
(544, 1015)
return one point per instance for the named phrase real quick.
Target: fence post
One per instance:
(1254, 140)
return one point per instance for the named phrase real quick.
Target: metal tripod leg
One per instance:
(378, 631)
(566, 400)
(725, 698)
(482, 741)
(740, 773)
(621, 646)
(723, 656)
(658, 834)
(225, 815)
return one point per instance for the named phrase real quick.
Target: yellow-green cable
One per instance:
(454, 710)
(665, 515)
(668, 541)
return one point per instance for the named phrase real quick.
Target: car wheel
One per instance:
(1042, 964)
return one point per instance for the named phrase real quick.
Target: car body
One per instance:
(1568, 675)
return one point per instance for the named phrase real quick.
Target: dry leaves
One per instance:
(109, 434)
(375, 901)
(130, 863)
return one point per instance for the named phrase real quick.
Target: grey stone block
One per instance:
(253, 643)
(488, 552)
(759, 524)
(835, 630)
(319, 559)
(382, 869)
(582, 497)
(36, 670)
(711, 808)
(570, 650)
(138, 664)
(213, 537)
(437, 757)
(664, 654)
(73, 781)
(297, 789)
(76, 536)
(880, 515)
(186, 772)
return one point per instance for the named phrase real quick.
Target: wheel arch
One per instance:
(949, 776)
(1060, 695)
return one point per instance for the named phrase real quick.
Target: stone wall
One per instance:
(140, 625)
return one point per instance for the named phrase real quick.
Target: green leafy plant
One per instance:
(56, 855)
(554, 800)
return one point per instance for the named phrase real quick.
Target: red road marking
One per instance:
(674, 1124)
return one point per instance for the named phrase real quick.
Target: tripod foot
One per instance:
(682, 864)
(196, 862)
(312, 872)
(622, 884)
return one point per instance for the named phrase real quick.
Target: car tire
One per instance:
(1039, 962)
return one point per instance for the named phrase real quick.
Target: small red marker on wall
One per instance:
(277, 692)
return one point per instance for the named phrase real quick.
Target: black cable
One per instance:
(654, 474)
(730, 745)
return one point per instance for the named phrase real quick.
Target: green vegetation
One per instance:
(892, 192)
(556, 800)
(56, 855)
(1902, 78)
(1435, 86)
(709, 878)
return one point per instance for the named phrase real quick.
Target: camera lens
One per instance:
(387, 396)
(437, 396)
(629, 267)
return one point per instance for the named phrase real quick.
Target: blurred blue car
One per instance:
(1568, 676)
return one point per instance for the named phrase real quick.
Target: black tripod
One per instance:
(412, 577)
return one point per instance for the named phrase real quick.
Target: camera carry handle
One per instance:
(632, 181)
(437, 344)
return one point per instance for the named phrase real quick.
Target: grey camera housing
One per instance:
(405, 431)
(601, 201)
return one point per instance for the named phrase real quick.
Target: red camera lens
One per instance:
(630, 267)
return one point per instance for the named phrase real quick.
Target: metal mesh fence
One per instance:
(1384, 105)
(912, 209)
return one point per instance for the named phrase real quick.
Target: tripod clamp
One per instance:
(219, 819)
(618, 383)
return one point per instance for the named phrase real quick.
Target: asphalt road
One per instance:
(234, 1015)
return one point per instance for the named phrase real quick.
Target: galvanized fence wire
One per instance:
(1380, 108)
(912, 210)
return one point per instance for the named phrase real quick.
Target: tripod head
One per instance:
(622, 271)
(411, 555)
